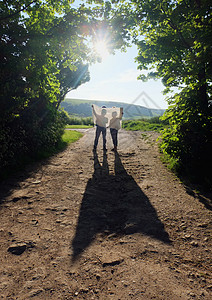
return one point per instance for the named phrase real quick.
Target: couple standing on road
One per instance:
(104, 118)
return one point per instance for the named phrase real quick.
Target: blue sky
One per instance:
(116, 79)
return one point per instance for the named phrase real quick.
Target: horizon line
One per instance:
(120, 101)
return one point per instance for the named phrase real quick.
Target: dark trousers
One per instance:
(100, 130)
(114, 135)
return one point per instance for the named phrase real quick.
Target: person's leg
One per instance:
(98, 131)
(113, 133)
(104, 138)
(115, 138)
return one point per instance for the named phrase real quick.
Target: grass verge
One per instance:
(68, 137)
(71, 136)
(78, 126)
(143, 125)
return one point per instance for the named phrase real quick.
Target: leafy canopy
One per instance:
(174, 43)
(43, 55)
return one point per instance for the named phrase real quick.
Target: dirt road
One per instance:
(94, 226)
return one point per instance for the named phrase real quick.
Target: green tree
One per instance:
(174, 43)
(43, 54)
(70, 80)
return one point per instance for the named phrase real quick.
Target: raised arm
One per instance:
(93, 110)
(121, 113)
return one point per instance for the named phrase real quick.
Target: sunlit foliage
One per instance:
(43, 55)
(174, 43)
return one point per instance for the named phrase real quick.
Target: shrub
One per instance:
(143, 125)
(188, 139)
(27, 136)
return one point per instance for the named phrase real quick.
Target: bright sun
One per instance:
(101, 48)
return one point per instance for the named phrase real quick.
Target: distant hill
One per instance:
(82, 108)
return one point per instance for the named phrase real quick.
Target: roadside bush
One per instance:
(143, 125)
(65, 116)
(74, 120)
(187, 142)
(28, 136)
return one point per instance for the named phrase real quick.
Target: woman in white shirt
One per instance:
(115, 125)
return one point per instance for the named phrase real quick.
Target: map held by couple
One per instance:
(107, 117)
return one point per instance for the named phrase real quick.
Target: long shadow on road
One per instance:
(114, 204)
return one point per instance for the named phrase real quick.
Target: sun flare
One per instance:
(101, 48)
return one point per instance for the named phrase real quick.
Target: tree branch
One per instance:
(173, 26)
(17, 12)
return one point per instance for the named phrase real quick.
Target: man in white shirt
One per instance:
(101, 122)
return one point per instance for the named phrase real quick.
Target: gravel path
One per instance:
(92, 226)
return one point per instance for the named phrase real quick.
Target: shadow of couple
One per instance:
(114, 204)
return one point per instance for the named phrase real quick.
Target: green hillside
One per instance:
(82, 108)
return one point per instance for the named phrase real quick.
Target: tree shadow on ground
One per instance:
(204, 196)
(13, 182)
(14, 179)
(114, 204)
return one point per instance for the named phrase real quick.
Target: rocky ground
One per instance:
(85, 225)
